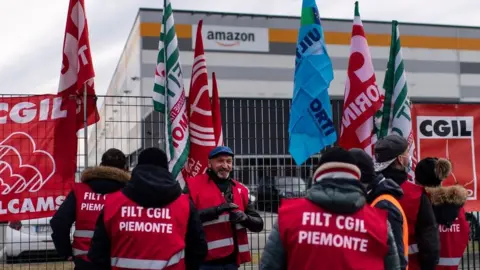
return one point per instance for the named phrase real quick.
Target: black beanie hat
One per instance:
(365, 164)
(114, 158)
(336, 159)
(153, 156)
(431, 171)
(336, 154)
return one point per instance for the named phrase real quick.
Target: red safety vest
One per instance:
(453, 242)
(146, 238)
(89, 205)
(218, 233)
(410, 202)
(315, 238)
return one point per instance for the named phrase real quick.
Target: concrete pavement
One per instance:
(257, 241)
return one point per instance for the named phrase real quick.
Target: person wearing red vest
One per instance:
(83, 205)
(149, 224)
(333, 227)
(377, 187)
(448, 202)
(393, 161)
(225, 211)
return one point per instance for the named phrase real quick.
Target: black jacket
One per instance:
(381, 186)
(334, 195)
(102, 180)
(447, 202)
(254, 222)
(152, 186)
(426, 229)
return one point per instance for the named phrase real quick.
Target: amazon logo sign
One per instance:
(231, 38)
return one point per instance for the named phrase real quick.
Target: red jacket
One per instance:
(453, 242)
(146, 238)
(410, 202)
(89, 205)
(218, 233)
(315, 238)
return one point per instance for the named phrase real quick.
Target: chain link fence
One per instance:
(256, 130)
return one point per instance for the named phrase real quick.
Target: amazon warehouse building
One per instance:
(253, 57)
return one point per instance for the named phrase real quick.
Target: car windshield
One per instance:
(290, 184)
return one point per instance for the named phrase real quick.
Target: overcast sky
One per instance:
(32, 31)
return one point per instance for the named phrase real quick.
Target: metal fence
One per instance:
(257, 131)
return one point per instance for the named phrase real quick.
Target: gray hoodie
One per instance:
(340, 196)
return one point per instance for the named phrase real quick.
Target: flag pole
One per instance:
(85, 125)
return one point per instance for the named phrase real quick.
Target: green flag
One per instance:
(396, 111)
(395, 115)
(169, 95)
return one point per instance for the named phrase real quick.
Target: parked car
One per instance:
(271, 190)
(27, 240)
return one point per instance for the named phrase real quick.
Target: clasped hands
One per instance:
(236, 215)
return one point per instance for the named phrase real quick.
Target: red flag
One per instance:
(202, 136)
(362, 97)
(38, 147)
(216, 113)
(77, 72)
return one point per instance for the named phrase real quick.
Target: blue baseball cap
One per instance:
(220, 150)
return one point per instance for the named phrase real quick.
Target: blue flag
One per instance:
(311, 127)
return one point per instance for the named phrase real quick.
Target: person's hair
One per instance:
(153, 156)
(114, 158)
(395, 164)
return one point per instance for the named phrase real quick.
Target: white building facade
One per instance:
(253, 57)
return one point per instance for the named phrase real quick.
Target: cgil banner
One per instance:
(362, 96)
(452, 131)
(38, 146)
(202, 134)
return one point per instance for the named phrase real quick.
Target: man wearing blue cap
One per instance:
(225, 212)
